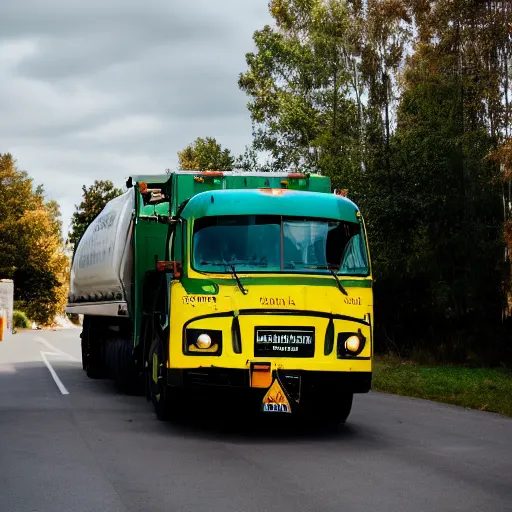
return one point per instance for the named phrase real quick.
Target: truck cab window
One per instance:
(255, 243)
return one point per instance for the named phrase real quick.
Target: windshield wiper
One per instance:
(232, 267)
(238, 282)
(335, 275)
(331, 269)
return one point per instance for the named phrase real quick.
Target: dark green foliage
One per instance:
(331, 89)
(437, 229)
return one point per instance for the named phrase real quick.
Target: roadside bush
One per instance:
(20, 320)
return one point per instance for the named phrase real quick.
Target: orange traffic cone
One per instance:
(2, 327)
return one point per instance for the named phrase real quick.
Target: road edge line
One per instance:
(61, 386)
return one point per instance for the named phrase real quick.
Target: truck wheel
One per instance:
(330, 413)
(341, 410)
(84, 351)
(124, 375)
(94, 370)
(94, 367)
(84, 336)
(93, 347)
(158, 390)
(147, 383)
(168, 401)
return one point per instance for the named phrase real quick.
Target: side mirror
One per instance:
(175, 267)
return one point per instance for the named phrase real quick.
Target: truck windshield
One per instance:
(263, 243)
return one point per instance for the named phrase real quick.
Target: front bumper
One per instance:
(306, 381)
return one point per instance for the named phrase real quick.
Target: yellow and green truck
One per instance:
(256, 283)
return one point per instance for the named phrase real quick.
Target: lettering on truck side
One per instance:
(276, 301)
(353, 301)
(199, 299)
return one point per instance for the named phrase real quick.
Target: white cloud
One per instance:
(103, 89)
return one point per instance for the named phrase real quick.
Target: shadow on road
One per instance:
(270, 430)
(29, 386)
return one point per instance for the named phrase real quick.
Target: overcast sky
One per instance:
(105, 88)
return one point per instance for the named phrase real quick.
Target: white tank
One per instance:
(102, 264)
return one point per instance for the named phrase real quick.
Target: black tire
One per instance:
(167, 401)
(84, 351)
(93, 346)
(83, 344)
(84, 336)
(341, 410)
(158, 390)
(146, 370)
(94, 370)
(330, 414)
(147, 383)
(123, 366)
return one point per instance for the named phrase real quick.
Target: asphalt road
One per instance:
(92, 449)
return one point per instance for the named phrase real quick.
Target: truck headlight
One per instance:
(350, 344)
(202, 342)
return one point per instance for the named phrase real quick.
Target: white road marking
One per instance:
(55, 350)
(61, 386)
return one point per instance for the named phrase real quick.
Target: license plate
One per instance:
(284, 342)
(275, 399)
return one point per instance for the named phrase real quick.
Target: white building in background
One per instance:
(7, 303)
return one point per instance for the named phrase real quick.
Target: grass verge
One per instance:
(486, 389)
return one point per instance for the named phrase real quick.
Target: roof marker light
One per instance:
(272, 191)
(217, 174)
(206, 175)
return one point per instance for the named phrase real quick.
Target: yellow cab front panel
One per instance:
(279, 325)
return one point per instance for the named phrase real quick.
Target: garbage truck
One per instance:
(252, 282)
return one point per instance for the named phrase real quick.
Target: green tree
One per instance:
(205, 155)
(94, 200)
(385, 32)
(16, 196)
(438, 238)
(417, 91)
(299, 80)
(42, 272)
(31, 251)
(248, 161)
